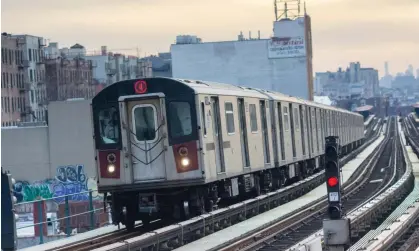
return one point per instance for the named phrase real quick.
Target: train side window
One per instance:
(180, 119)
(296, 117)
(144, 122)
(253, 118)
(204, 122)
(286, 119)
(228, 106)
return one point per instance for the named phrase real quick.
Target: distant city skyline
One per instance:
(370, 32)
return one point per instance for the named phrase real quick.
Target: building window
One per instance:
(31, 75)
(30, 54)
(229, 117)
(7, 105)
(253, 118)
(32, 97)
(11, 56)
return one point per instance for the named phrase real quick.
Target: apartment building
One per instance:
(34, 70)
(13, 92)
(69, 78)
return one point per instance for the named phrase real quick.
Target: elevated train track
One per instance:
(228, 216)
(231, 213)
(294, 229)
(175, 236)
(158, 238)
(398, 231)
(401, 232)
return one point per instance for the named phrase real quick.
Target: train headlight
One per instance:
(111, 168)
(185, 162)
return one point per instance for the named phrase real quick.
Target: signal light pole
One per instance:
(336, 228)
(8, 216)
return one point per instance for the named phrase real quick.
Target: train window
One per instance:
(204, 123)
(286, 119)
(109, 125)
(144, 122)
(228, 106)
(180, 119)
(297, 124)
(253, 118)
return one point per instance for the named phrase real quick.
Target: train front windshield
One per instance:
(108, 125)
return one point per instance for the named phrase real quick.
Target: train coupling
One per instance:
(148, 203)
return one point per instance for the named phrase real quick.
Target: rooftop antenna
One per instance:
(276, 10)
(289, 9)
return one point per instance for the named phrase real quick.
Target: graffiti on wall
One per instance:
(69, 180)
(24, 191)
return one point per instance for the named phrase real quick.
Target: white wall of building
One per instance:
(245, 63)
(52, 51)
(35, 153)
(99, 72)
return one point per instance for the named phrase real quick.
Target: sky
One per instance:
(368, 31)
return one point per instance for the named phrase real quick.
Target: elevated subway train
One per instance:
(173, 148)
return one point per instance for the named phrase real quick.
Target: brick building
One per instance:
(34, 71)
(69, 78)
(13, 79)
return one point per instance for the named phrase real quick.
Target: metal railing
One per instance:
(41, 211)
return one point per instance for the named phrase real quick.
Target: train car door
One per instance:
(218, 135)
(294, 151)
(147, 127)
(303, 129)
(281, 131)
(243, 133)
(265, 135)
(274, 132)
(310, 130)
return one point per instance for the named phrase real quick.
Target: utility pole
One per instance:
(8, 216)
(336, 228)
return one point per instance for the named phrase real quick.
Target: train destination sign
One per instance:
(286, 47)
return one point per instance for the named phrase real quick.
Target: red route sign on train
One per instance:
(140, 87)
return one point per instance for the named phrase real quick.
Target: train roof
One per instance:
(364, 108)
(209, 87)
(202, 87)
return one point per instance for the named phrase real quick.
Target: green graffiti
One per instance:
(36, 192)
